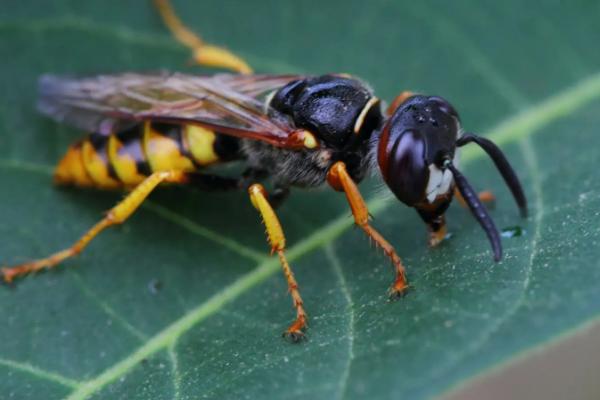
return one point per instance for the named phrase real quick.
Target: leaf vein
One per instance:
(39, 373)
(452, 35)
(335, 263)
(494, 327)
(206, 233)
(175, 371)
(107, 309)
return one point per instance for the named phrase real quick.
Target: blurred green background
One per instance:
(182, 301)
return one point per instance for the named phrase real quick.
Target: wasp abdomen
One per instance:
(125, 158)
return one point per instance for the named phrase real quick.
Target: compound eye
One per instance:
(407, 172)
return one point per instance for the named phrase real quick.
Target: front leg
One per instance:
(433, 216)
(340, 180)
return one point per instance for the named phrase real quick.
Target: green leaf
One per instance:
(184, 302)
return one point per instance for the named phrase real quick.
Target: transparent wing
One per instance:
(229, 104)
(256, 86)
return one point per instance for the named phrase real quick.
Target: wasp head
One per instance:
(414, 146)
(416, 153)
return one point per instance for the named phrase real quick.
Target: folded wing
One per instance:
(228, 104)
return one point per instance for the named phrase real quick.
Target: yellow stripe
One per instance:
(201, 144)
(97, 167)
(125, 166)
(163, 153)
(71, 170)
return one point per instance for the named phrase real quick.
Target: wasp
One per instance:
(299, 131)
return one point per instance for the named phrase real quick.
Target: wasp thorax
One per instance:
(414, 143)
(333, 107)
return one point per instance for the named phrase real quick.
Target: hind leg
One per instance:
(203, 53)
(121, 212)
(117, 215)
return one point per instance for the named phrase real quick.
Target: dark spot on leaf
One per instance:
(154, 286)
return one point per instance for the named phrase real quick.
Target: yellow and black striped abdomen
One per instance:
(125, 158)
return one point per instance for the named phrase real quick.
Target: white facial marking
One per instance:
(435, 180)
(439, 181)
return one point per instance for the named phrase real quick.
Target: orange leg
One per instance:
(339, 179)
(437, 226)
(485, 196)
(118, 214)
(436, 237)
(258, 196)
(203, 53)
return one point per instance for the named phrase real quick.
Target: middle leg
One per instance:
(258, 196)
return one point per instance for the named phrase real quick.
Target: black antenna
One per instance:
(477, 209)
(509, 175)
